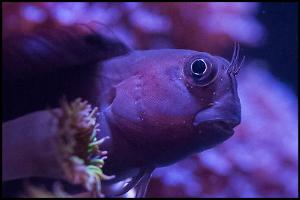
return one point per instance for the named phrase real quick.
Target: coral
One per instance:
(79, 152)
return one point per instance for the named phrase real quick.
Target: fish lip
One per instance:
(225, 126)
(228, 124)
(226, 118)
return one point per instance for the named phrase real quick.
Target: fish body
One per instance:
(151, 101)
(157, 106)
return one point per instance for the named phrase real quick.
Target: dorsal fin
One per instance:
(41, 66)
(52, 49)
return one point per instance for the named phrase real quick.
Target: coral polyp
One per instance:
(79, 152)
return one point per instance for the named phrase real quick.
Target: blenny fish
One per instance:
(157, 106)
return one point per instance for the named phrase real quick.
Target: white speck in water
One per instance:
(221, 79)
(214, 93)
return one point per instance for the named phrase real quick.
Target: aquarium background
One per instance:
(261, 159)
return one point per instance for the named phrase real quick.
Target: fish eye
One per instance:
(198, 68)
(200, 71)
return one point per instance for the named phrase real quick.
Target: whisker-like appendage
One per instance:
(238, 67)
(234, 53)
(234, 66)
(237, 55)
(234, 57)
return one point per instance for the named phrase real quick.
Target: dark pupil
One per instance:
(198, 67)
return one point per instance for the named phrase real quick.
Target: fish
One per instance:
(167, 105)
(156, 106)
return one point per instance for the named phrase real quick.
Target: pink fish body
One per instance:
(157, 106)
(163, 110)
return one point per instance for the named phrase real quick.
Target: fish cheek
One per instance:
(125, 105)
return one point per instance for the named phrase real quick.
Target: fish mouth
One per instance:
(213, 132)
(217, 123)
(228, 124)
(222, 127)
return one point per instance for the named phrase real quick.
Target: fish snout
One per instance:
(213, 127)
(226, 117)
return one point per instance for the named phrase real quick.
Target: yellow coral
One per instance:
(81, 158)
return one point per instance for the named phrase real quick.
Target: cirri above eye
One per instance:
(198, 68)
